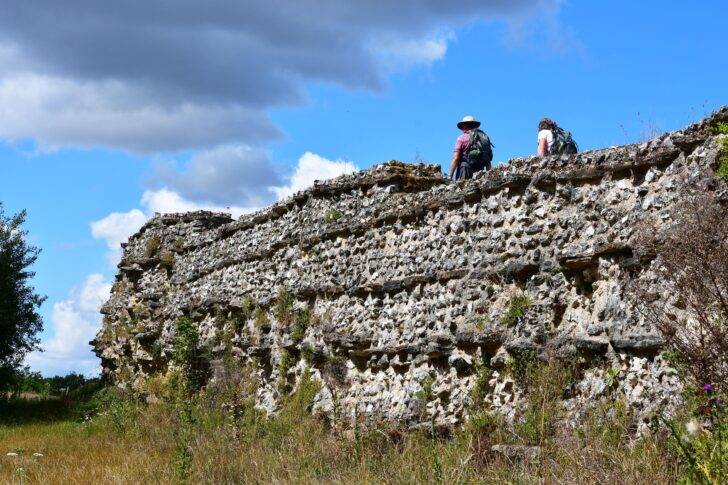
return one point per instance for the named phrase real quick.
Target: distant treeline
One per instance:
(14, 382)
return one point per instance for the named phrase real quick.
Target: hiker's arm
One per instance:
(454, 163)
(543, 147)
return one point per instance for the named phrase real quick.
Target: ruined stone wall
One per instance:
(399, 276)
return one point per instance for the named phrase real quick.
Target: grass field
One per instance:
(196, 441)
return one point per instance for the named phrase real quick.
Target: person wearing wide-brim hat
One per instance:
(473, 150)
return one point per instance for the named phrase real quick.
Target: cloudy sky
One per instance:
(112, 111)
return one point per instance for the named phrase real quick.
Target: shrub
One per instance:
(332, 215)
(516, 310)
(687, 300)
(286, 363)
(261, 318)
(722, 128)
(481, 387)
(189, 356)
(283, 310)
(152, 247)
(301, 322)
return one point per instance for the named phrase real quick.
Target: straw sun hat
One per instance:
(468, 120)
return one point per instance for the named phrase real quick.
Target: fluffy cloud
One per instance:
(225, 175)
(75, 322)
(116, 229)
(154, 76)
(312, 167)
(248, 184)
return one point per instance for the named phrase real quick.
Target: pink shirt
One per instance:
(461, 145)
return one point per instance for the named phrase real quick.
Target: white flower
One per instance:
(693, 427)
(12, 454)
(38, 454)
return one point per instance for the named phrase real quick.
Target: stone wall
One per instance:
(398, 277)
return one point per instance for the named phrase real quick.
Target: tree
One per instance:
(19, 319)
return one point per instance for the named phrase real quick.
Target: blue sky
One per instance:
(108, 114)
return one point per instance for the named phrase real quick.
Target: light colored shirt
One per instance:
(548, 136)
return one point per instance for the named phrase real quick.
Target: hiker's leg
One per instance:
(465, 171)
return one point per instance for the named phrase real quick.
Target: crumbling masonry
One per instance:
(397, 274)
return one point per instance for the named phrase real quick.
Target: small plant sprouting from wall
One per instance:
(152, 247)
(481, 387)
(516, 310)
(425, 394)
(523, 368)
(261, 318)
(332, 215)
(285, 364)
(178, 243)
(283, 310)
(722, 129)
(189, 355)
(167, 258)
(301, 322)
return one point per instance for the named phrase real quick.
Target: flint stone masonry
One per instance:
(408, 277)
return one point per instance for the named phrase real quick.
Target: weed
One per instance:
(425, 396)
(261, 318)
(190, 356)
(516, 310)
(178, 243)
(481, 387)
(332, 215)
(722, 172)
(167, 258)
(285, 364)
(523, 368)
(152, 247)
(283, 310)
(301, 322)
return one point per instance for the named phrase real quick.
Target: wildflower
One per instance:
(12, 454)
(719, 402)
(693, 427)
(38, 455)
(707, 388)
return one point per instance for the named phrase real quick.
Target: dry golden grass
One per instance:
(132, 444)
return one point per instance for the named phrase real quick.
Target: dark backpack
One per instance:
(563, 142)
(480, 150)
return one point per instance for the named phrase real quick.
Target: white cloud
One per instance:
(141, 77)
(58, 112)
(406, 53)
(166, 201)
(255, 193)
(226, 175)
(75, 322)
(116, 229)
(312, 167)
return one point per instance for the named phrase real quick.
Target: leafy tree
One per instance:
(19, 319)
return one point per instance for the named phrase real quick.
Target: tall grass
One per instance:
(230, 442)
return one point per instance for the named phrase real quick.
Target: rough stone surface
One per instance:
(410, 278)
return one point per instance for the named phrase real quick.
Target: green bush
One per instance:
(152, 247)
(722, 128)
(332, 215)
(283, 310)
(481, 387)
(190, 357)
(516, 310)
(286, 363)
